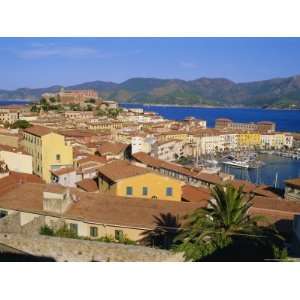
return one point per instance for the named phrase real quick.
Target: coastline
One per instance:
(207, 106)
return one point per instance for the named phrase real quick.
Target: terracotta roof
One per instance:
(54, 188)
(294, 182)
(25, 178)
(209, 178)
(248, 187)
(196, 194)
(275, 207)
(88, 185)
(111, 148)
(120, 169)
(157, 163)
(38, 130)
(266, 191)
(99, 208)
(77, 133)
(14, 178)
(63, 171)
(93, 158)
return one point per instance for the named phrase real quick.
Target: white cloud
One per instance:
(43, 51)
(39, 51)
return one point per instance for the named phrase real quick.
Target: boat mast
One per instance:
(276, 179)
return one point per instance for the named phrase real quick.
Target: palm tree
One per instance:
(226, 217)
(164, 233)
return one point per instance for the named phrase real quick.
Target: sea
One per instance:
(286, 120)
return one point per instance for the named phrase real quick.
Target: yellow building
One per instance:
(120, 178)
(173, 135)
(248, 140)
(48, 149)
(92, 215)
(104, 125)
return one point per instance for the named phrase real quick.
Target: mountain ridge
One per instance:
(282, 92)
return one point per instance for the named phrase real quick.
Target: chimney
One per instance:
(56, 199)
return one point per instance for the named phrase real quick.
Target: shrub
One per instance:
(46, 230)
(21, 124)
(66, 232)
(106, 239)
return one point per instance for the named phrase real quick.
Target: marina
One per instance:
(274, 170)
(261, 167)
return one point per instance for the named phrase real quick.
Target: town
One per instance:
(75, 165)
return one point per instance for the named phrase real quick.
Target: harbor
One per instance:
(273, 170)
(260, 167)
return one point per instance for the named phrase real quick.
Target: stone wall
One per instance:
(65, 249)
(12, 224)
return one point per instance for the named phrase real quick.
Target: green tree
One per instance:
(35, 108)
(164, 233)
(101, 113)
(43, 101)
(224, 221)
(113, 112)
(91, 100)
(52, 99)
(21, 124)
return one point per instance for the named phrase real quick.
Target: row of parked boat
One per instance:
(245, 161)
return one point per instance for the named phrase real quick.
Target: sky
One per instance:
(42, 62)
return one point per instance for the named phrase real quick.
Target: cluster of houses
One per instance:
(106, 176)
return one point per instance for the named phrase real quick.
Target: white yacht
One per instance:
(237, 163)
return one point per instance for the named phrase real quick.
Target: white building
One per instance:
(17, 161)
(168, 150)
(142, 143)
(211, 144)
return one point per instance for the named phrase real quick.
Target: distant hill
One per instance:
(277, 92)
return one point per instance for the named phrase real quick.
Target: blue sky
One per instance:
(41, 62)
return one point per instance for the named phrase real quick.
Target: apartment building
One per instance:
(9, 115)
(105, 125)
(272, 141)
(249, 140)
(79, 115)
(49, 150)
(211, 143)
(16, 160)
(263, 126)
(120, 178)
(172, 135)
(142, 143)
(168, 150)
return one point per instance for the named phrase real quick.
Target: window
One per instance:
(93, 231)
(145, 191)
(74, 228)
(57, 156)
(169, 191)
(3, 213)
(119, 235)
(129, 190)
